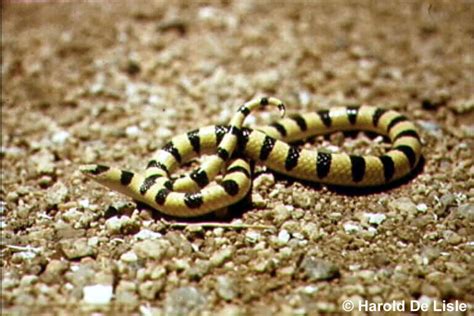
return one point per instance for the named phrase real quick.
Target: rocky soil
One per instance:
(111, 82)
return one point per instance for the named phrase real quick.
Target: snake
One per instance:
(233, 147)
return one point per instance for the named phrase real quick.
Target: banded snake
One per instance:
(234, 145)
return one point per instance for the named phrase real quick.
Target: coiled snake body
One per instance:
(192, 195)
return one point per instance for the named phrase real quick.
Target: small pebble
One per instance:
(121, 225)
(198, 269)
(225, 288)
(317, 269)
(77, 248)
(60, 137)
(84, 203)
(113, 224)
(181, 264)
(404, 206)
(447, 200)
(44, 162)
(24, 256)
(281, 213)
(132, 131)
(72, 215)
(252, 236)
(184, 301)
(219, 257)
(351, 227)
(125, 294)
(146, 234)
(466, 211)
(129, 257)
(264, 180)
(283, 237)
(304, 97)
(452, 237)
(158, 272)
(28, 280)
(431, 127)
(57, 194)
(429, 254)
(302, 199)
(97, 294)
(258, 201)
(422, 207)
(151, 248)
(335, 216)
(149, 289)
(374, 218)
(54, 270)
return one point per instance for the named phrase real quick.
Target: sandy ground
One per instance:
(112, 82)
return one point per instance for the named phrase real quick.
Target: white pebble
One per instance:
(283, 236)
(146, 234)
(304, 97)
(299, 236)
(422, 207)
(3, 205)
(207, 13)
(12, 152)
(132, 131)
(425, 300)
(96, 88)
(97, 294)
(154, 99)
(27, 255)
(72, 215)
(375, 218)
(93, 241)
(371, 231)
(129, 256)
(146, 310)
(113, 224)
(60, 137)
(252, 236)
(264, 180)
(218, 231)
(84, 203)
(131, 90)
(351, 227)
(309, 289)
(430, 126)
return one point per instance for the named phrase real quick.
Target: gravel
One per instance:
(113, 82)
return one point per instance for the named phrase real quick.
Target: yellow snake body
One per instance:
(192, 195)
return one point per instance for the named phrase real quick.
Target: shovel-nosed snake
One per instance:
(234, 146)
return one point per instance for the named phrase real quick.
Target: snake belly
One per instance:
(193, 195)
